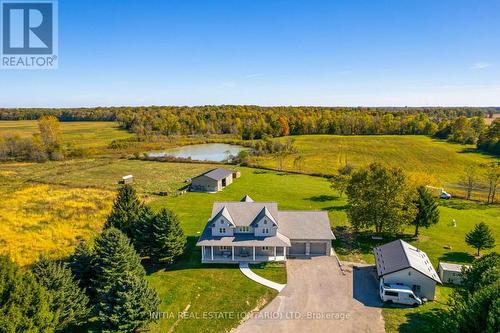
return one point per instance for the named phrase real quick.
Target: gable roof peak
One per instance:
(246, 198)
(225, 213)
(264, 212)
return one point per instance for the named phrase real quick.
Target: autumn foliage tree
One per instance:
(379, 198)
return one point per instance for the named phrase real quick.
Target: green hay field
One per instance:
(84, 134)
(419, 155)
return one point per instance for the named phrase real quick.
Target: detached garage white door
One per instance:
(297, 249)
(318, 248)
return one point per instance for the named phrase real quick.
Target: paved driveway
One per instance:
(318, 298)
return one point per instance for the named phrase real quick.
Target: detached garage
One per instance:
(399, 262)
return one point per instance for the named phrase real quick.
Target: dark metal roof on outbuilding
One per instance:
(217, 174)
(399, 255)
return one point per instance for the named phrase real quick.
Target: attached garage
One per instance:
(318, 249)
(297, 249)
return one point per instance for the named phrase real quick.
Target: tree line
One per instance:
(456, 124)
(102, 284)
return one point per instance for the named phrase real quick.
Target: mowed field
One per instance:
(444, 162)
(84, 134)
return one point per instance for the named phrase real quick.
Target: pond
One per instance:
(214, 152)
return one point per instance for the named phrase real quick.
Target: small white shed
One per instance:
(129, 179)
(450, 273)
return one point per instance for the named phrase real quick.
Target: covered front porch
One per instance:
(228, 254)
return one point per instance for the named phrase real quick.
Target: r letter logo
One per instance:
(29, 34)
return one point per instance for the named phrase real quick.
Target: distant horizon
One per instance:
(262, 106)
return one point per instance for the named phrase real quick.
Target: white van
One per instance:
(398, 293)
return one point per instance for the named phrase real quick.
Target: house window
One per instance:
(265, 248)
(265, 221)
(223, 248)
(221, 221)
(244, 229)
(265, 230)
(416, 288)
(222, 230)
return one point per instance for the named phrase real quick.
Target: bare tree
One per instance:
(298, 163)
(470, 179)
(492, 173)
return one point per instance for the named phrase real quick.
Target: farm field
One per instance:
(444, 162)
(84, 134)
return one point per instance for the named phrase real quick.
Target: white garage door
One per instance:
(298, 249)
(318, 248)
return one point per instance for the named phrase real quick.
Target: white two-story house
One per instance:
(257, 231)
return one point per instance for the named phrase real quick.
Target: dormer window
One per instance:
(222, 230)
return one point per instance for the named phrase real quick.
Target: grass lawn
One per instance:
(85, 134)
(274, 271)
(432, 240)
(215, 297)
(443, 161)
(419, 319)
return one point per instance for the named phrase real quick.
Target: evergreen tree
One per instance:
(427, 210)
(126, 211)
(481, 237)
(24, 303)
(81, 264)
(474, 306)
(114, 257)
(128, 305)
(167, 238)
(143, 232)
(69, 302)
(485, 271)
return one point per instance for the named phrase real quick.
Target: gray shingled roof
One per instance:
(305, 225)
(206, 239)
(244, 213)
(295, 225)
(217, 174)
(399, 255)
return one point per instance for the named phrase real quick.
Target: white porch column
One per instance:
(202, 253)
(212, 251)
(254, 253)
(308, 248)
(232, 252)
(275, 253)
(284, 252)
